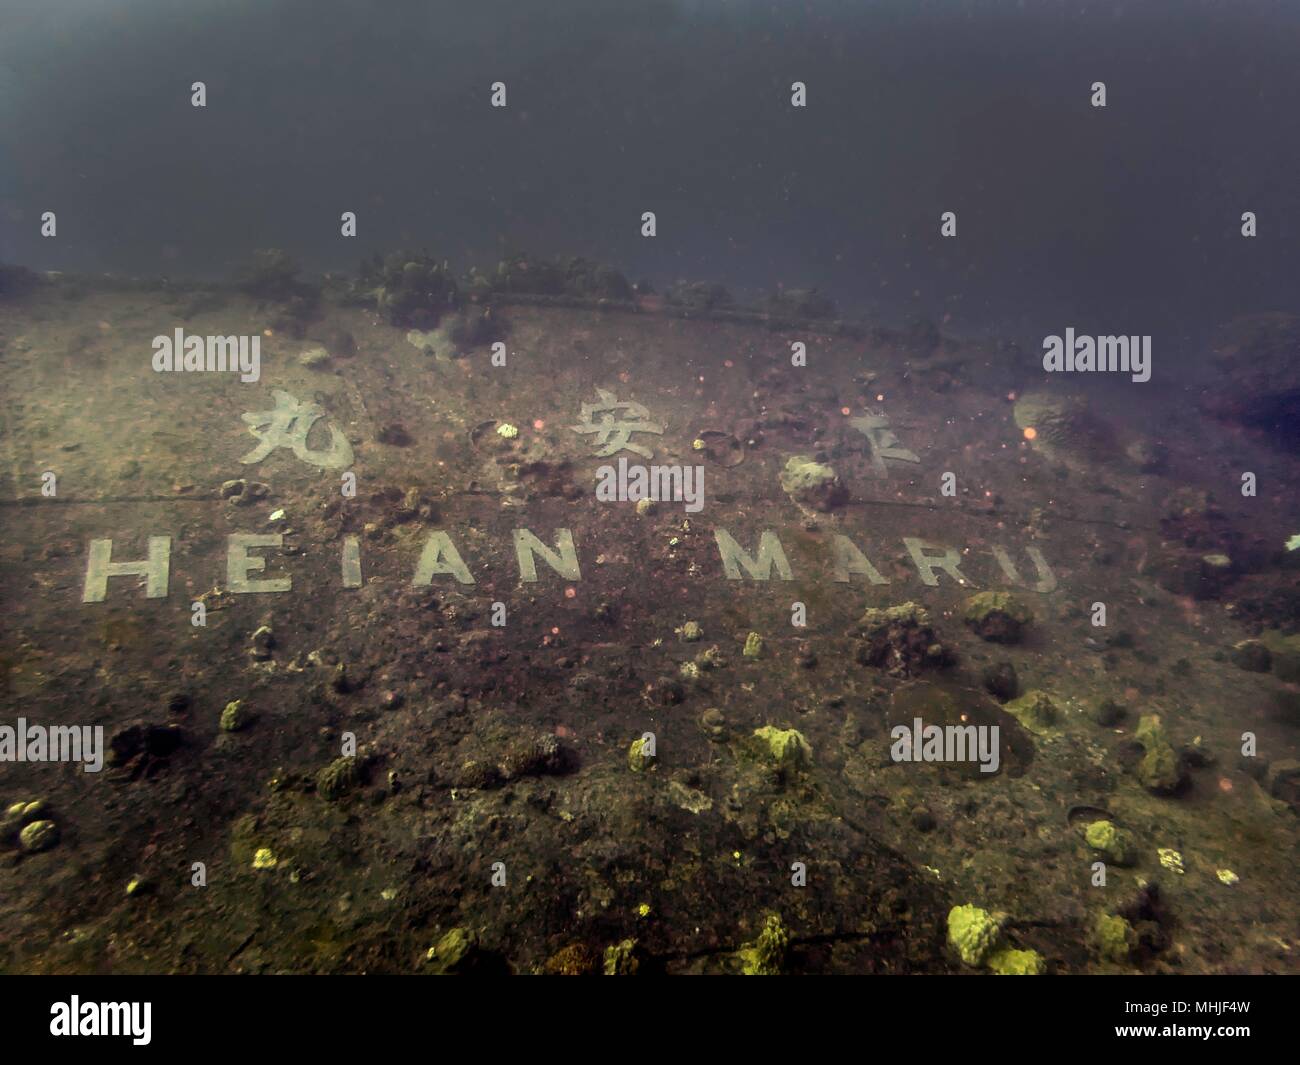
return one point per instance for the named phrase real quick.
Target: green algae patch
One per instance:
(1113, 938)
(999, 617)
(976, 936)
(1111, 842)
(766, 955)
(452, 952)
(802, 473)
(1160, 770)
(785, 748)
(640, 755)
(973, 933)
(906, 615)
(235, 718)
(1035, 710)
(622, 959)
(337, 779)
(812, 484)
(38, 836)
(1009, 962)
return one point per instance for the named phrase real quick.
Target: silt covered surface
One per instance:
(502, 750)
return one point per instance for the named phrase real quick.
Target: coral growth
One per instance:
(973, 933)
(408, 289)
(899, 640)
(999, 617)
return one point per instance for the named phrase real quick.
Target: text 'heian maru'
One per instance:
(439, 557)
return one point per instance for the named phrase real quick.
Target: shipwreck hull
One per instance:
(492, 788)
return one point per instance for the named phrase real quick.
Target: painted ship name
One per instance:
(440, 558)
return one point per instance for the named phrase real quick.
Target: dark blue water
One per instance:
(1123, 219)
